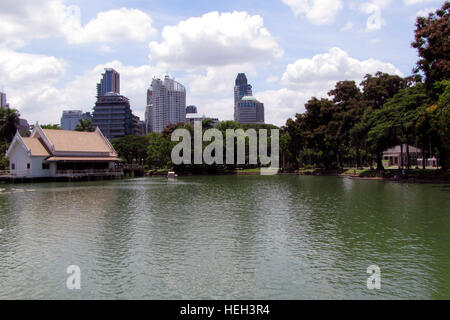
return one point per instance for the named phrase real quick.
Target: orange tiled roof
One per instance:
(74, 141)
(36, 147)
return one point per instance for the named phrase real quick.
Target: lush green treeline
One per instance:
(154, 150)
(354, 127)
(357, 123)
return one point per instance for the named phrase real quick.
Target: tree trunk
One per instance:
(424, 160)
(402, 163)
(380, 161)
(407, 156)
(358, 159)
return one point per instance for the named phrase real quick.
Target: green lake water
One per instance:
(226, 237)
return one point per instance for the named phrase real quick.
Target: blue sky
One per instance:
(52, 52)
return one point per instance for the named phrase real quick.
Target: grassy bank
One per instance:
(411, 175)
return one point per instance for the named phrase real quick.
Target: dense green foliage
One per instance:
(154, 150)
(432, 41)
(85, 126)
(355, 126)
(9, 121)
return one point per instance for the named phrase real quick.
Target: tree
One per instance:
(9, 121)
(380, 88)
(440, 122)
(405, 109)
(320, 138)
(348, 112)
(432, 41)
(159, 150)
(50, 126)
(133, 149)
(377, 90)
(381, 135)
(85, 126)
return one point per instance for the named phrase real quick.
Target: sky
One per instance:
(52, 52)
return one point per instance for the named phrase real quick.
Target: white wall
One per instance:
(36, 166)
(20, 158)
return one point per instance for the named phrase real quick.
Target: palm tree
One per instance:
(85, 125)
(9, 122)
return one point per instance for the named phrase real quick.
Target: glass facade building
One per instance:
(3, 103)
(110, 82)
(70, 119)
(168, 104)
(113, 115)
(246, 108)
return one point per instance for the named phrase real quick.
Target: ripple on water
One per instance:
(225, 238)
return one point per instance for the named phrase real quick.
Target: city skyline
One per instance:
(167, 105)
(45, 71)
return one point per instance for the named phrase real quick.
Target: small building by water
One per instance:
(393, 156)
(60, 153)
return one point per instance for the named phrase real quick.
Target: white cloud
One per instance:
(315, 77)
(215, 39)
(213, 107)
(23, 20)
(327, 68)
(32, 84)
(280, 105)
(111, 26)
(318, 12)
(217, 80)
(29, 68)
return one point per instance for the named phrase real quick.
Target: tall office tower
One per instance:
(2, 100)
(168, 103)
(110, 82)
(113, 115)
(148, 111)
(70, 119)
(246, 108)
(241, 89)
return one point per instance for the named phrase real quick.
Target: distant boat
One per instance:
(171, 175)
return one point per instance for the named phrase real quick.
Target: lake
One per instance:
(225, 237)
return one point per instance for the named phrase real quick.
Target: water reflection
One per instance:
(241, 237)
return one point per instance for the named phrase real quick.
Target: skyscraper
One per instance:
(241, 89)
(148, 111)
(168, 103)
(113, 115)
(246, 108)
(110, 82)
(3, 103)
(70, 119)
